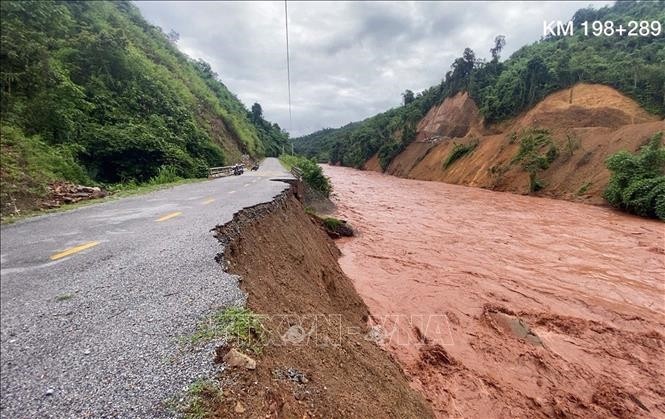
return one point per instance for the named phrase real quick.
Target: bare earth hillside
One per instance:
(587, 123)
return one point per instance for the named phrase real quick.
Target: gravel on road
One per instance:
(99, 333)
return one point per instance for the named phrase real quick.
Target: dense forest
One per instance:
(503, 89)
(92, 93)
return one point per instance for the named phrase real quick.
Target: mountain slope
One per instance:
(501, 90)
(574, 130)
(94, 93)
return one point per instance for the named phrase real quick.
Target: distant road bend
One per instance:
(95, 299)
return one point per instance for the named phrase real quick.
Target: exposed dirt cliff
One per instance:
(317, 325)
(587, 123)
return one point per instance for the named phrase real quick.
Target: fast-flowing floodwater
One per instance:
(502, 305)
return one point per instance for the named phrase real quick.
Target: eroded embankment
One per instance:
(316, 322)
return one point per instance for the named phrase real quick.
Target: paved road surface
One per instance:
(95, 299)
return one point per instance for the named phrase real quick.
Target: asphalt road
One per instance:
(95, 301)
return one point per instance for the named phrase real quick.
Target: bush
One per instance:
(459, 151)
(312, 173)
(530, 155)
(29, 164)
(165, 174)
(388, 152)
(637, 183)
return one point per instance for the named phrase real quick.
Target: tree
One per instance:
(499, 43)
(257, 112)
(637, 183)
(173, 36)
(408, 97)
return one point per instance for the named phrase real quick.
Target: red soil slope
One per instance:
(588, 123)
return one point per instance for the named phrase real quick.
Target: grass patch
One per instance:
(584, 188)
(332, 223)
(459, 151)
(199, 402)
(237, 325)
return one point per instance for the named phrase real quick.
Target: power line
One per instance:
(288, 64)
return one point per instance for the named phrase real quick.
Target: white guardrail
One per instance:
(214, 172)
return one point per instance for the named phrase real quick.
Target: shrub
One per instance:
(312, 173)
(332, 223)
(165, 174)
(637, 183)
(530, 155)
(459, 151)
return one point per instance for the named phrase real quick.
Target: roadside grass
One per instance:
(237, 325)
(198, 401)
(312, 174)
(117, 192)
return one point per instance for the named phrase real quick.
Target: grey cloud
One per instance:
(348, 60)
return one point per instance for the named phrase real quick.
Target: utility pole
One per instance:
(288, 64)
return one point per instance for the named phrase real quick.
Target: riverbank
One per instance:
(497, 304)
(318, 357)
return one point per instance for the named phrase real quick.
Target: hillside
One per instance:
(94, 94)
(583, 125)
(490, 103)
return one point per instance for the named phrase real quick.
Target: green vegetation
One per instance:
(200, 398)
(459, 151)
(29, 164)
(531, 157)
(633, 65)
(582, 190)
(312, 173)
(637, 184)
(237, 325)
(103, 97)
(332, 223)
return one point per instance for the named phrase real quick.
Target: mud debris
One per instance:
(541, 308)
(67, 193)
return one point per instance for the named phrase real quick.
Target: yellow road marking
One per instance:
(208, 201)
(169, 216)
(73, 250)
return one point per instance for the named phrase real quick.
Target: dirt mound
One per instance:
(587, 123)
(68, 193)
(317, 323)
(454, 117)
(585, 105)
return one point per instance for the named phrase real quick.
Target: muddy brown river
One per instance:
(501, 305)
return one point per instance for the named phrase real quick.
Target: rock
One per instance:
(50, 391)
(235, 358)
(239, 408)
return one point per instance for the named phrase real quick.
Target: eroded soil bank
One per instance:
(319, 360)
(500, 305)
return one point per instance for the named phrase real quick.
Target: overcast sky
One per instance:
(348, 60)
